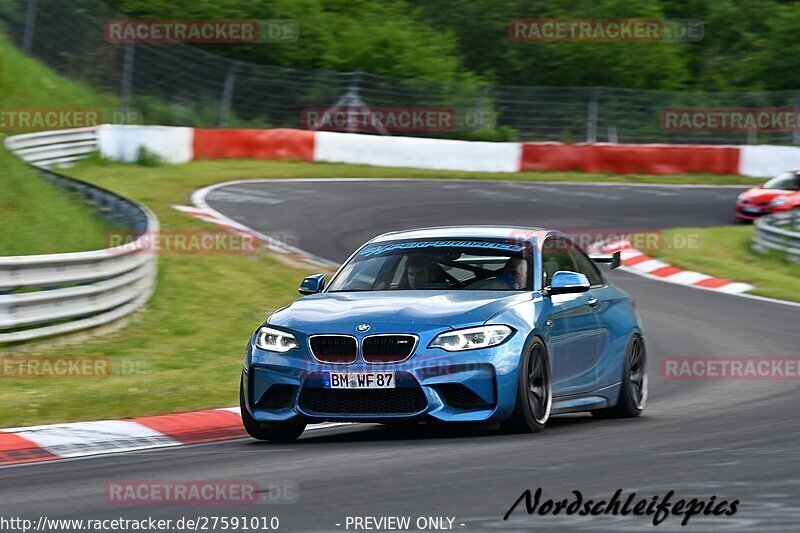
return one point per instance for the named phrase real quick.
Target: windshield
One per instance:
(785, 182)
(437, 265)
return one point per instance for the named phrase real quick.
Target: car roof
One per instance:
(461, 232)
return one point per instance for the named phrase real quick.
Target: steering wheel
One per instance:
(454, 283)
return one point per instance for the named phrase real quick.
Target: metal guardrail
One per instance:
(779, 232)
(44, 295)
(51, 148)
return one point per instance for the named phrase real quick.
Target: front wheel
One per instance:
(633, 396)
(286, 432)
(534, 393)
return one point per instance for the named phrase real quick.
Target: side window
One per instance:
(586, 266)
(555, 256)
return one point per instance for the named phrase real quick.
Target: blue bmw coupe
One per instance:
(464, 324)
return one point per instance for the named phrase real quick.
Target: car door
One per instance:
(576, 335)
(604, 300)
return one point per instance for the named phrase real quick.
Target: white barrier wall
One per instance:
(122, 143)
(764, 160)
(413, 152)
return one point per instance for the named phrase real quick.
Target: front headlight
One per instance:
(471, 338)
(740, 198)
(779, 201)
(274, 340)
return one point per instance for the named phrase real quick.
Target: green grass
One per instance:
(725, 252)
(26, 84)
(36, 218)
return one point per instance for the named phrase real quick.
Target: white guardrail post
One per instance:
(779, 232)
(44, 295)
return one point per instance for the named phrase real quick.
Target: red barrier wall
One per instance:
(610, 158)
(630, 158)
(253, 144)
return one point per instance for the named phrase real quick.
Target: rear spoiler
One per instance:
(614, 259)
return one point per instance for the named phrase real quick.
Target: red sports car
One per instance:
(781, 193)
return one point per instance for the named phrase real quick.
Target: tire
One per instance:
(287, 432)
(633, 395)
(534, 393)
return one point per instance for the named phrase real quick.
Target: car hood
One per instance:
(761, 196)
(412, 309)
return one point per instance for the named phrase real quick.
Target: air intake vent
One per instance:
(277, 397)
(400, 401)
(387, 348)
(459, 396)
(337, 349)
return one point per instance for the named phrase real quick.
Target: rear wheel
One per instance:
(633, 396)
(286, 432)
(534, 393)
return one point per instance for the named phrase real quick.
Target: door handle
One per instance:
(593, 301)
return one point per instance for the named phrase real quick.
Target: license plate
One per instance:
(358, 380)
(753, 210)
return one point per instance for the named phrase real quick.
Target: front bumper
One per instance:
(747, 211)
(432, 385)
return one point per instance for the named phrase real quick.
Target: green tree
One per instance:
(384, 37)
(482, 30)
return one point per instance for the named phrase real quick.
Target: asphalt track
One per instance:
(733, 440)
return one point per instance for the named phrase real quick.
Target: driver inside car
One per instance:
(513, 276)
(419, 272)
(422, 272)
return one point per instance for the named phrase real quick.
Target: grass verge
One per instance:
(215, 171)
(725, 252)
(27, 84)
(36, 218)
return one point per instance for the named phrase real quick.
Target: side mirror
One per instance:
(566, 282)
(312, 284)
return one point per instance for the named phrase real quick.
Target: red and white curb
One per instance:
(214, 217)
(636, 262)
(82, 439)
